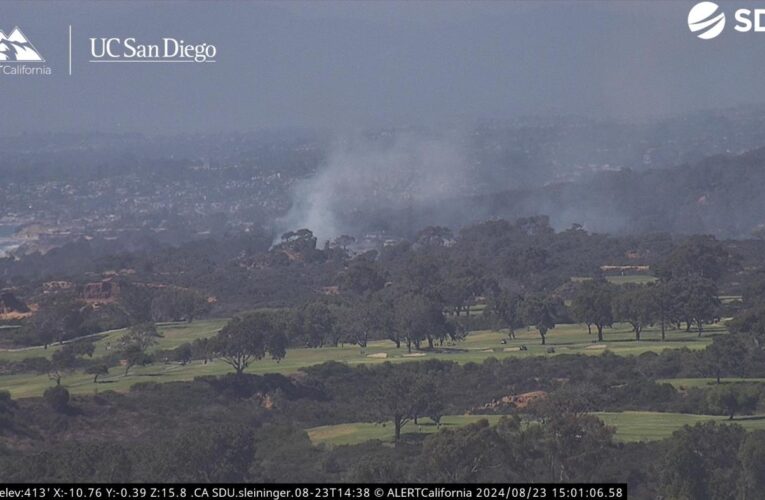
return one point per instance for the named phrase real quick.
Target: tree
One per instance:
(7, 408)
(592, 304)
(134, 344)
(62, 361)
(575, 442)
(343, 241)
(97, 371)
(698, 301)
(352, 321)
(65, 359)
(751, 325)
(300, 243)
(540, 312)
(751, 454)
(133, 355)
(734, 398)
(664, 297)
(463, 281)
(136, 300)
(199, 451)
(83, 348)
(58, 318)
(249, 337)
(57, 398)
(699, 255)
(421, 319)
(505, 307)
(634, 304)
(422, 273)
(281, 443)
(183, 353)
(192, 303)
(401, 394)
(469, 454)
(381, 315)
(434, 236)
(178, 304)
(314, 323)
(700, 462)
(726, 355)
(202, 349)
(362, 276)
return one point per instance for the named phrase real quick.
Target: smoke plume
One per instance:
(366, 177)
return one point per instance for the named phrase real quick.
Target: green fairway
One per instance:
(688, 383)
(648, 425)
(564, 339)
(727, 299)
(173, 335)
(640, 279)
(358, 432)
(630, 426)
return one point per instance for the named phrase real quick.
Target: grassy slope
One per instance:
(648, 425)
(358, 432)
(688, 383)
(174, 334)
(571, 339)
(630, 426)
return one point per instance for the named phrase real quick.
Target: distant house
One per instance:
(57, 286)
(101, 291)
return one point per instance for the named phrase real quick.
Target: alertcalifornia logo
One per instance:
(17, 47)
(707, 20)
(15, 51)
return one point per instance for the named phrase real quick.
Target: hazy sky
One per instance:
(343, 65)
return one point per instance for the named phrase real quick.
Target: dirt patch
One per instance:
(514, 400)
(265, 401)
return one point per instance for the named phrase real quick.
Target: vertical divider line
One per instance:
(70, 50)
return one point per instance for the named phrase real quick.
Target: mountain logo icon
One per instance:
(16, 47)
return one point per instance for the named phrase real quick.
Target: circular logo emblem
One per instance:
(706, 19)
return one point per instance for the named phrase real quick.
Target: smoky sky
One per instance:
(345, 65)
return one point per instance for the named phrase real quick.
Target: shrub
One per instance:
(57, 398)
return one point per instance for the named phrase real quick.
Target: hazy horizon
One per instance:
(343, 66)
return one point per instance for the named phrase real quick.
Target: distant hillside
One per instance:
(721, 195)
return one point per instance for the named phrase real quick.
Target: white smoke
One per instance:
(396, 171)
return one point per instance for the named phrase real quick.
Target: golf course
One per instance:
(629, 426)
(477, 346)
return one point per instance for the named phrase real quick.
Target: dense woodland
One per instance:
(521, 271)
(419, 295)
(249, 428)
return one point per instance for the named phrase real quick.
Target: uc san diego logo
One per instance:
(706, 20)
(15, 51)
